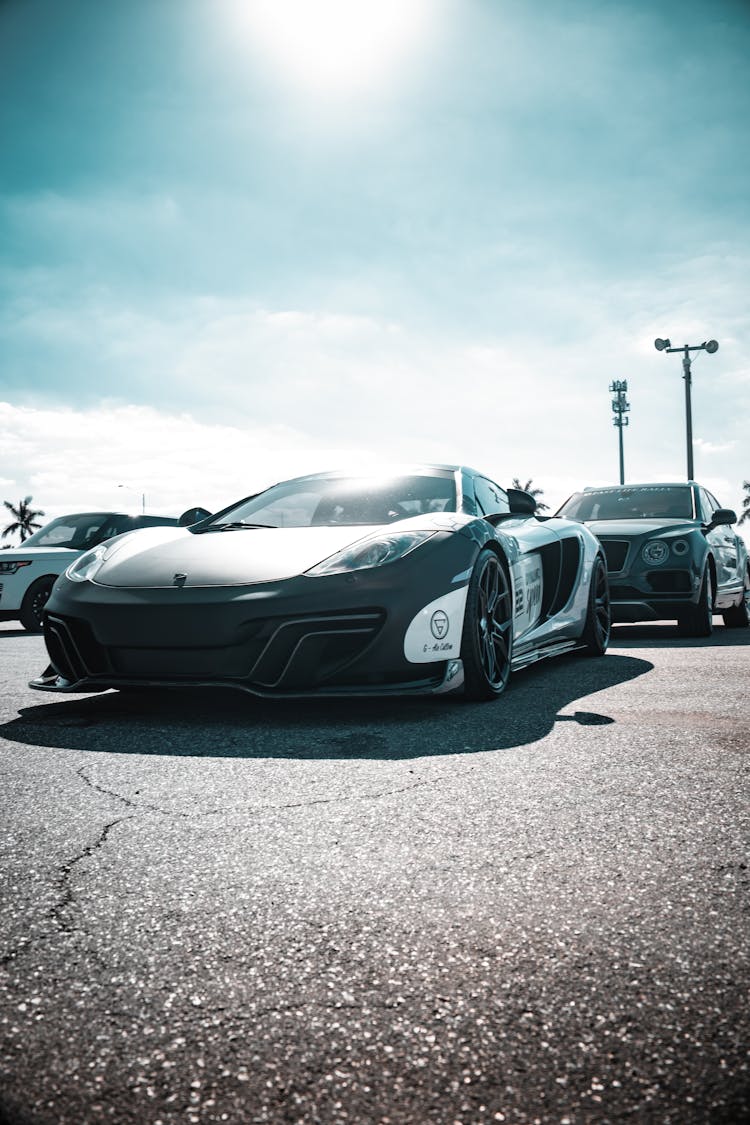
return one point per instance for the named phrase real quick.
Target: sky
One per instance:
(241, 240)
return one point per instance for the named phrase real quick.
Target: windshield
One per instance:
(332, 501)
(86, 529)
(652, 501)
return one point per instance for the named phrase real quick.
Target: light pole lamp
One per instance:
(709, 346)
(620, 408)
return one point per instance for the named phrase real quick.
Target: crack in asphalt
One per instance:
(66, 895)
(63, 883)
(356, 796)
(126, 800)
(10, 956)
(260, 809)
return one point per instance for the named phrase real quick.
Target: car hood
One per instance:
(153, 557)
(630, 529)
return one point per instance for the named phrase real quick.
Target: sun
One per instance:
(334, 47)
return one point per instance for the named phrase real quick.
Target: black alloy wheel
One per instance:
(738, 616)
(598, 625)
(487, 639)
(34, 601)
(698, 620)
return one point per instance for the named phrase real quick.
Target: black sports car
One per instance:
(428, 579)
(672, 553)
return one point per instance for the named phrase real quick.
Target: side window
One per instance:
(490, 497)
(707, 507)
(110, 527)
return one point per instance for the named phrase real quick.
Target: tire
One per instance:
(34, 601)
(598, 625)
(487, 641)
(698, 620)
(738, 616)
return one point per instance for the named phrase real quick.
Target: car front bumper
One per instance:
(653, 595)
(336, 635)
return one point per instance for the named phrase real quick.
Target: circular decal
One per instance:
(439, 624)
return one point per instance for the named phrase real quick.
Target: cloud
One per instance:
(199, 399)
(111, 456)
(711, 447)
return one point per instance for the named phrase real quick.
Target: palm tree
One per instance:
(745, 502)
(529, 487)
(24, 518)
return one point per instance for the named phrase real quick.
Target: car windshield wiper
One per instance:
(237, 526)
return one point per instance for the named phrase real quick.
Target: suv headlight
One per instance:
(656, 551)
(86, 565)
(13, 566)
(375, 550)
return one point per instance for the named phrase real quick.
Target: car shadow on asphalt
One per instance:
(224, 723)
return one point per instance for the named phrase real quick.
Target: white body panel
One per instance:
(527, 593)
(44, 562)
(435, 633)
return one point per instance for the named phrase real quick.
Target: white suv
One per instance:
(28, 572)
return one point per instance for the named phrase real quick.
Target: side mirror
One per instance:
(193, 515)
(723, 516)
(521, 503)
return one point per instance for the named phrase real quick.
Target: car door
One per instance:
(535, 561)
(723, 543)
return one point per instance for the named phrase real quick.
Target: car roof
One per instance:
(109, 512)
(386, 470)
(642, 484)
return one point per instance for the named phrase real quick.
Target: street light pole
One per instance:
(687, 376)
(620, 407)
(143, 495)
(709, 346)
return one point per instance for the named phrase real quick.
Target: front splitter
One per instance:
(453, 679)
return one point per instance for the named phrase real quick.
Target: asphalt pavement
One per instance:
(218, 909)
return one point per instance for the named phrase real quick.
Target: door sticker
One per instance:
(528, 593)
(439, 624)
(435, 632)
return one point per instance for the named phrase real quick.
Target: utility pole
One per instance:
(143, 495)
(709, 346)
(620, 408)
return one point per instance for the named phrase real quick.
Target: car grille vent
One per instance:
(297, 653)
(670, 581)
(309, 650)
(615, 552)
(73, 648)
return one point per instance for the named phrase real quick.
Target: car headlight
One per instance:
(11, 567)
(375, 550)
(656, 551)
(680, 546)
(87, 564)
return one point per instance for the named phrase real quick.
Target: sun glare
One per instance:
(334, 47)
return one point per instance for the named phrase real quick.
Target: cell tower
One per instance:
(620, 409)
